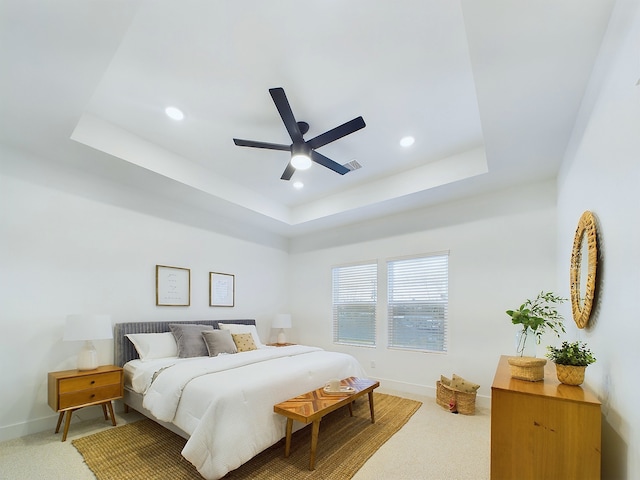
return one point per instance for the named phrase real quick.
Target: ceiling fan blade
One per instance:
(336, 133)
(252, 143)
(284, 109)
(327, 162)
(288, 172)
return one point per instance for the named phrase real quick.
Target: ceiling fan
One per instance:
(301, 147)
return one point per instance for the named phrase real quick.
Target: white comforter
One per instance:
(226, 402)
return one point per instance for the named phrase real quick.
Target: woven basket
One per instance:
(527, 368)
(570, 374)
(465, 402)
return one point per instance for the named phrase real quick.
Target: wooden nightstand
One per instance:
(70, 390)
(280, 344)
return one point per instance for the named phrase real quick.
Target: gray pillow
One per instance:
(219, 341)
(189, 339)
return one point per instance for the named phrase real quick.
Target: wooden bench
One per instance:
(312, 406)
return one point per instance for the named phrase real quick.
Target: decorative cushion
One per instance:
(154, 345)
(237, 328)
(219, 341)
(244, 342)
(463, 385)
(189, 339)
(445, 381)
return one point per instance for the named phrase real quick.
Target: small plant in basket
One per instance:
(576, 354)
(571, 360)
(536, 315)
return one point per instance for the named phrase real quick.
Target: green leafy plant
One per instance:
(539, 314)
(575, 353)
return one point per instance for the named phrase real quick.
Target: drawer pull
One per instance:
(92, 395)
(92, 382)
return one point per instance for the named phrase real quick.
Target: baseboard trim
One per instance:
(9, 432)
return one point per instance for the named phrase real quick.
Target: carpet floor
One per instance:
(145, 450)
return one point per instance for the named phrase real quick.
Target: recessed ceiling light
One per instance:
(298, 185)
(174, 112)
(407, 141)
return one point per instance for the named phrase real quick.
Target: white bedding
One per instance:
(225, 403)
(138, 374)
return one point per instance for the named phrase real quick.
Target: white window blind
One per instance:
(418, 300)
(354, 304)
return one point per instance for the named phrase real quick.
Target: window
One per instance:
(354, 304)
(417, 303)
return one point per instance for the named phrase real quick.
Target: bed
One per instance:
(222, 404)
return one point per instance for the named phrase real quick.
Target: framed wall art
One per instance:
(221, 289)
(173, 286)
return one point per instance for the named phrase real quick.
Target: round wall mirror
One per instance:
(584, 261)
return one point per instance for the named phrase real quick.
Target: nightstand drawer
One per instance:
(82, 397)
(86, 382)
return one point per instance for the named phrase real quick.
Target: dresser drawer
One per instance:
(93, 395)
(86, 382)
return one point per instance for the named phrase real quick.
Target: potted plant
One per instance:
(571, 360)
(536, 316)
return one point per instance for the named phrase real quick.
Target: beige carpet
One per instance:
(145, 450)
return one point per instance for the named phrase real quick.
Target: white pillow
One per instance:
(238, 328)
(154, 345)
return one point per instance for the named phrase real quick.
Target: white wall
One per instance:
(602, 173)
(502, 251)
(62, 253)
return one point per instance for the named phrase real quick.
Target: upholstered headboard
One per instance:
(124, 349)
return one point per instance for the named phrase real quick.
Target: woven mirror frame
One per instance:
(583, 284)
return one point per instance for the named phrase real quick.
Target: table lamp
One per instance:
(87, 328)
(282, 321)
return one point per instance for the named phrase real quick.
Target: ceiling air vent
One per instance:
(353, 165)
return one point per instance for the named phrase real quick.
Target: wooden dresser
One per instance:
(543, 430)
(70, 390)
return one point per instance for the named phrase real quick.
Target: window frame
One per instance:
(432, 302)
(361, 306)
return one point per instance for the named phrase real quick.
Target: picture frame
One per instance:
(221, 289)
(173, 286)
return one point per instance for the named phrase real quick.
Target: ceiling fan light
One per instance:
(300, 162)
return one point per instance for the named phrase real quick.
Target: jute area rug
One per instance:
(145, 450)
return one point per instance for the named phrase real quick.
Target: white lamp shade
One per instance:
(87, 327)
(282, 320)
